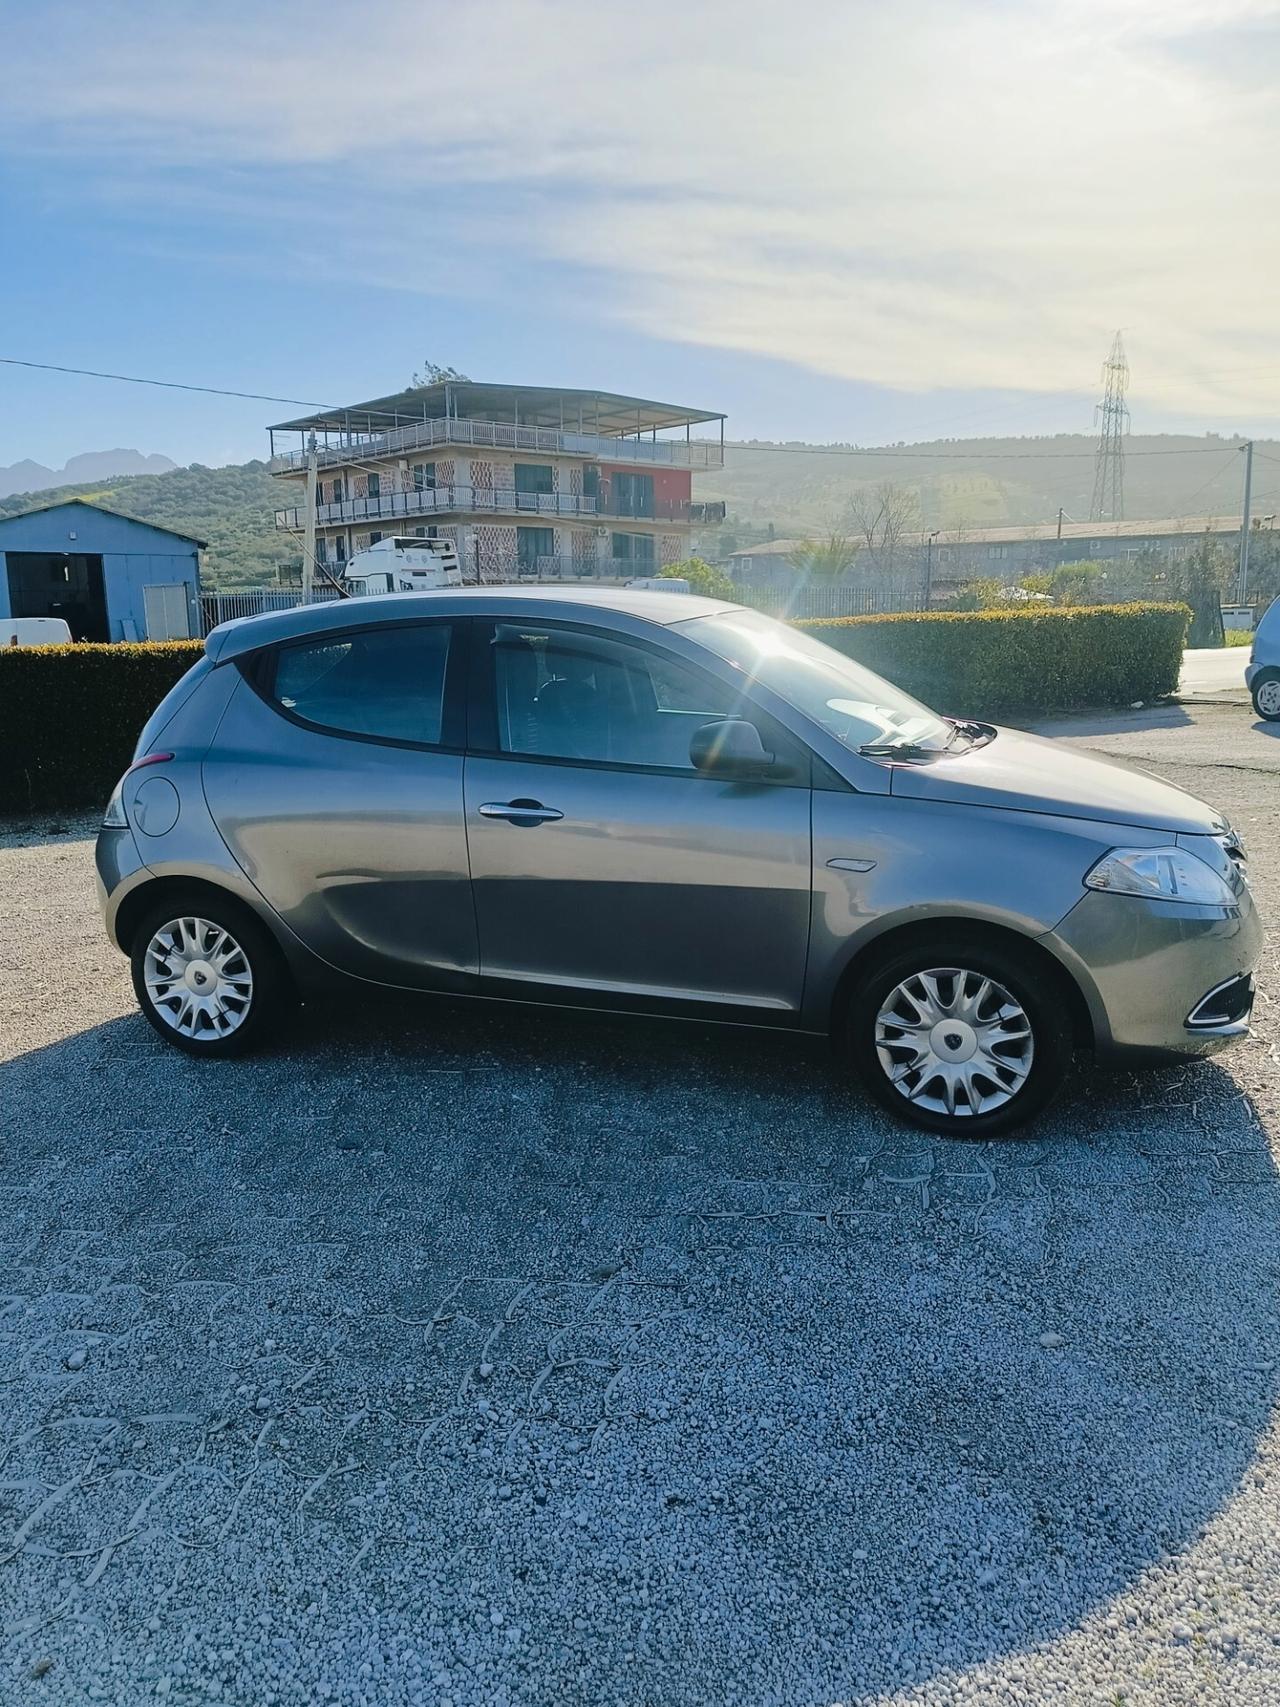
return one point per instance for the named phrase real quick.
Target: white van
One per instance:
(660, 584)
(34, 631)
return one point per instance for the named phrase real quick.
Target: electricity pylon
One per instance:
(1112, 416)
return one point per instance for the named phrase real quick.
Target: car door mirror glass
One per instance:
(731, 748)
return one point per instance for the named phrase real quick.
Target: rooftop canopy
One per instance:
(605, 412)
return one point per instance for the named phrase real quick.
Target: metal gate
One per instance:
(166, 612)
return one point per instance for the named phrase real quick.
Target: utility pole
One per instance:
(1059, 524)
(1243, 588)
(928, 568)
(309, 524)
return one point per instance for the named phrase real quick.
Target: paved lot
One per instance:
(1214, 671)
(456, 1357)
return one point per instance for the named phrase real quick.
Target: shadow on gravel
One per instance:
(659, 1343)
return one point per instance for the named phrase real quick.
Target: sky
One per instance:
(844, 220)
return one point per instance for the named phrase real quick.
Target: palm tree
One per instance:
(824, 559)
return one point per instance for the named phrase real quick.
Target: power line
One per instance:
(772, 450)
(164, 384)
(1216, 475)
(965, 455)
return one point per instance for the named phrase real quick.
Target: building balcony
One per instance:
(482, 501)
(501, 436)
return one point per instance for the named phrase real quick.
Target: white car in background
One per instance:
(34, 631)
(1263, 674)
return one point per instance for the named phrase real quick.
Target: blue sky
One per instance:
(854, 222)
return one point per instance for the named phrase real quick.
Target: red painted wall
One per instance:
(674, 485)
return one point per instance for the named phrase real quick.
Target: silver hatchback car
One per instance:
(1262, 673)
(655, 802)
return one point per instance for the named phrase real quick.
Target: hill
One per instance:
(769, 489)
(798, 489)
(231, 507)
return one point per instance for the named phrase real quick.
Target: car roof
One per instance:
(249, 633)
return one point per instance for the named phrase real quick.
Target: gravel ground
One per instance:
(448, 1356)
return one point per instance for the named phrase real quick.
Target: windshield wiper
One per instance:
(898, 750)
(976, 734)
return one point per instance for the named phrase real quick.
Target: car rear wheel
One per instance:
(961, 1037)
(1266, 695)
(208, 976)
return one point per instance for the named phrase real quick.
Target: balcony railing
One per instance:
(497, 435)
(478, 500)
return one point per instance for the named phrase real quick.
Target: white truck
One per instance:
(403, 563)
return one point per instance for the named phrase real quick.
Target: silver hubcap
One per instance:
(954, 1042)
(1269, 697)
(198, 977)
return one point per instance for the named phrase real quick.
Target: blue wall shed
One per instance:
(111, 577)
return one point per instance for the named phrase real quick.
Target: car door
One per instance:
(335, 779)
(602, 861)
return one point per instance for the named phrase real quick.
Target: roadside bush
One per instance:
(1040, 659)
(704, 578)
(70, 715)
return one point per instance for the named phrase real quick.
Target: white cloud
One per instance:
(920, 195)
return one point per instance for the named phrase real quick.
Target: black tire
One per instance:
(1267, 680)
(1043, 1002)
(260, 1004)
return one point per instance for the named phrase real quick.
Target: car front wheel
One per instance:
(961, 1037)
(208, 976)
(1266, 695)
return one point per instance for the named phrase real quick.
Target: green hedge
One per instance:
(976, 663)
(70, 715)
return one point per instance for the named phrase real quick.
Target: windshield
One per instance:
(850, 702)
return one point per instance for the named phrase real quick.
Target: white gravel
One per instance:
(463, 1357)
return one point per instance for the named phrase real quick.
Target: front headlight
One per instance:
(1161, 874)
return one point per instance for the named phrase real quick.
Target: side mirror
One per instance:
(731, 748)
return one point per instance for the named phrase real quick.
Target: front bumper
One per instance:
(1146, 967)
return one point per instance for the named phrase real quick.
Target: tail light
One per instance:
(114, 816)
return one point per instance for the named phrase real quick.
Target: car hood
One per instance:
(1025, 773)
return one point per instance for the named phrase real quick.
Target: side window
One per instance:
(567, 694)
(386, 683)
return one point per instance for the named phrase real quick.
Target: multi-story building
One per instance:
(527, 481)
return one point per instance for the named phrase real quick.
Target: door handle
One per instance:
(520, 811)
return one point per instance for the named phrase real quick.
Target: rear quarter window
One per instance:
(170, 705)
(382, 684)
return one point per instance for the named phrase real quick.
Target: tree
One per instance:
(985, 593)
(433, 374)
(1201, 581)
(881, 516)
(824, 559)
(1075, 583)
(1264, 566)
(702, 577)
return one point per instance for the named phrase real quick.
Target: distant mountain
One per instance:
(28, 476)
